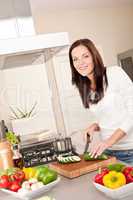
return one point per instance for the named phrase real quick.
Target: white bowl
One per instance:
(29, 195)
(118, 193)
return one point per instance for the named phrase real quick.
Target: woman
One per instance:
(108, 92)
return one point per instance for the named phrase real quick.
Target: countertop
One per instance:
(80, 188)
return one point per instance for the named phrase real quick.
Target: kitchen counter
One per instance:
(73, 189)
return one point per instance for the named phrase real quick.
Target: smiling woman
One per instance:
(82, 60)
(88, 71)
(108, 92)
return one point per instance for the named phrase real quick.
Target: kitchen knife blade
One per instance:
(87, 143)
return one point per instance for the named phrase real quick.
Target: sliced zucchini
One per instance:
(76, 158)
(68, 159)
(71, 159)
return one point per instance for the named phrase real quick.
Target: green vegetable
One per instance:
(87, 157)
(11, 170)
(40, 172)
(68, 159)
(12, 138)
(50, 176)
(118, 167)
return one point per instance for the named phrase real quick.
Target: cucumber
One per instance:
(87, 157)
(61, 159)
(76, 158)
(68, 159)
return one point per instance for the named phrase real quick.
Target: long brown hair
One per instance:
(83, 83)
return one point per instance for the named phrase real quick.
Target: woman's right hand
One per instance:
(91, 129)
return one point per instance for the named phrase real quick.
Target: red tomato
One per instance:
(18, 176)
(4, 181)
(15, 186)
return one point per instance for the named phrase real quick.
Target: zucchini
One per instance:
(87, 157)
(68, 159)
(76, 158)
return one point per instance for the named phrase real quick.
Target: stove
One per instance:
(43, 152)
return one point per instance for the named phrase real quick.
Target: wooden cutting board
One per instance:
(73, 170)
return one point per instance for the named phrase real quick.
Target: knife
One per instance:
(87, 143)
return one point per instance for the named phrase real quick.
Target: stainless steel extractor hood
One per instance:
(19, 33)
(29, 44)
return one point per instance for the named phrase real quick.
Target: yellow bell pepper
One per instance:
(29, 172)
(114, 179)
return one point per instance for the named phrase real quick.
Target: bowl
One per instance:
(29, 195)
(119, 193)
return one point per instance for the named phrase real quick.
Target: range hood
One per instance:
(31, 44)
(19, 33)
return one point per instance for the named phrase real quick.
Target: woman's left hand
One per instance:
(98, 148)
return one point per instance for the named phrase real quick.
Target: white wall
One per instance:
(109, 28)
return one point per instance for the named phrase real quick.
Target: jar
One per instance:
(6, 155)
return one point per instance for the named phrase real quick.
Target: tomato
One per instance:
(15, 186)
(4, 181)
(18, 176)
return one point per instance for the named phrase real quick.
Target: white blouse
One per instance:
(115, 110)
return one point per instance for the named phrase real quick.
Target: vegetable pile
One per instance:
(28, 179)
(68, 159)
(65, 159)
(114, 175)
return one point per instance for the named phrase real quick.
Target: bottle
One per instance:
(6, 156)
(17, 157)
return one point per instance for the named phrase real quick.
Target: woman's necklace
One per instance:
(92, 96)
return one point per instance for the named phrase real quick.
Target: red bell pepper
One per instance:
(99, 177)
(128, 172)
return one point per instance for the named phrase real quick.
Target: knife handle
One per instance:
(88, 138)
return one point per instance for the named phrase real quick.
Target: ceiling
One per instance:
(79, 4)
